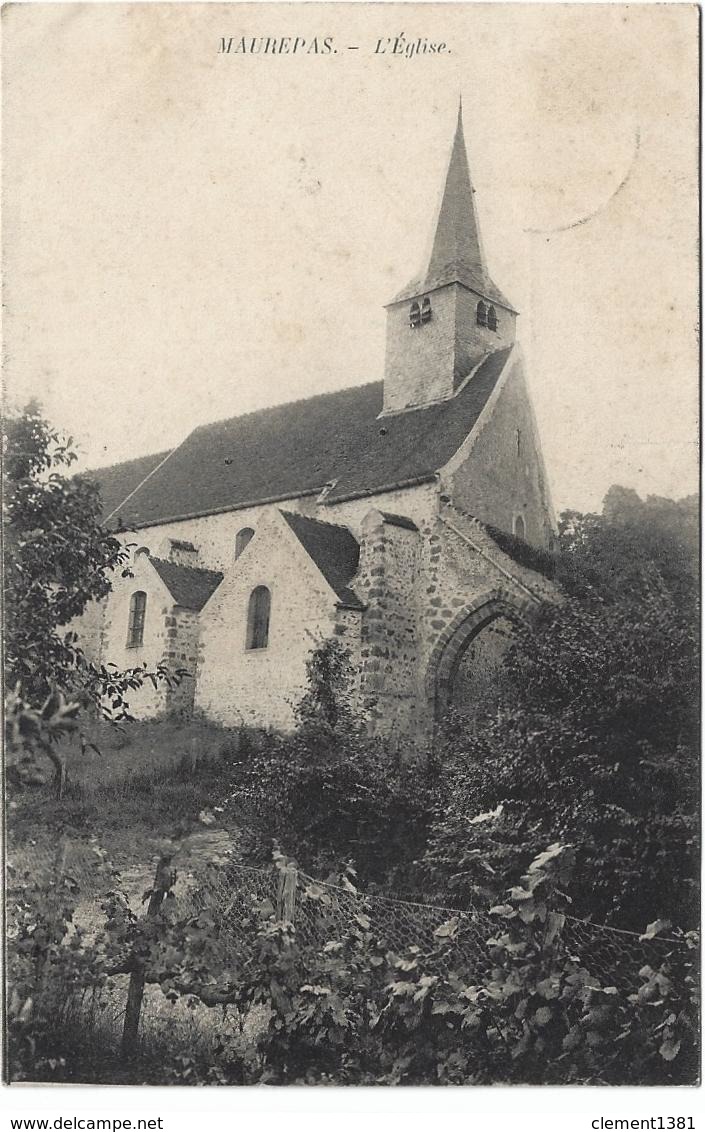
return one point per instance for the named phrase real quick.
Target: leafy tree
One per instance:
(596, 737)
(58, 558)
(631, 547)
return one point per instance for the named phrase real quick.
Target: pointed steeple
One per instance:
(442, 326)
(457, 246)
(457, 254)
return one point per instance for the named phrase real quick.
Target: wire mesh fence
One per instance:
(322, 912)
(236, 898)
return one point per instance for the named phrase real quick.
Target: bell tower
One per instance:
(444, 323)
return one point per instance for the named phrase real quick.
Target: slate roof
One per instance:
(118, 480)
(455, 272)
(457, 254)
(190, 586)
(334, 549)
(296, 449)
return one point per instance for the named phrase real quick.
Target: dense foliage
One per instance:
(542, 561)
(329, 794)
(591, 751)
(595, 742)
(522, 1007)
(596, 739)
(58, 558)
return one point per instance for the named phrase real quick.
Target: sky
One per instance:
(190, 235)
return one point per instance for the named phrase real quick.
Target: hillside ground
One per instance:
(131, 786)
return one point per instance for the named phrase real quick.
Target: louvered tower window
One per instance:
(492, 319)
(481, 315)
(420, 312)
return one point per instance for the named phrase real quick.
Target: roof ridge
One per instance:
(235, 417)
(287, 404)
(129, 460)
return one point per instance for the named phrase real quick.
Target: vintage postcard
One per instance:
(351, 544)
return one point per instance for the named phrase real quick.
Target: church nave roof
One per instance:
(298, 449)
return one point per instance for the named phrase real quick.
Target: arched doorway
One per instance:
(465, 665)
(477, 677)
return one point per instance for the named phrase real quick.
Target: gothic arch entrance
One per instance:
(478, 634)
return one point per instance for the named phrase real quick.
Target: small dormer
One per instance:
(179, 551)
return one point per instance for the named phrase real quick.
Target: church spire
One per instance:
(444, 323)
(457, 247)
(457, 254)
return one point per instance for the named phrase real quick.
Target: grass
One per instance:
(140, 748)
(130, 789)
(173, 1035)
(150, 779)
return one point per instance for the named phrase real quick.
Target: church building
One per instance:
(408, 518)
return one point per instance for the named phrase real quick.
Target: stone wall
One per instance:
(501, 476)
(420, 361)
(427, 363)
(170, 639)
(182, 553)
(182, 640)
(103, 629)
(472, 341)
(468, 581)
(387, 581)
(147, 701)
(89, 627)
(261, 687)
(214, 535)
(427, 592)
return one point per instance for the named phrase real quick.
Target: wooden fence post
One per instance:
(164, 878)
(193, 762)
(286, 898)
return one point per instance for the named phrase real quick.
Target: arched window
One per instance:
(242, 538)
(426, 309)
(491, 319)
(258, 618)
(414, 314)
(135, 625)
(519, 527)
(481, 314)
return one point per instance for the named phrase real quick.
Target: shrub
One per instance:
(330, 794)
(596, 737)
(519, 1007)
